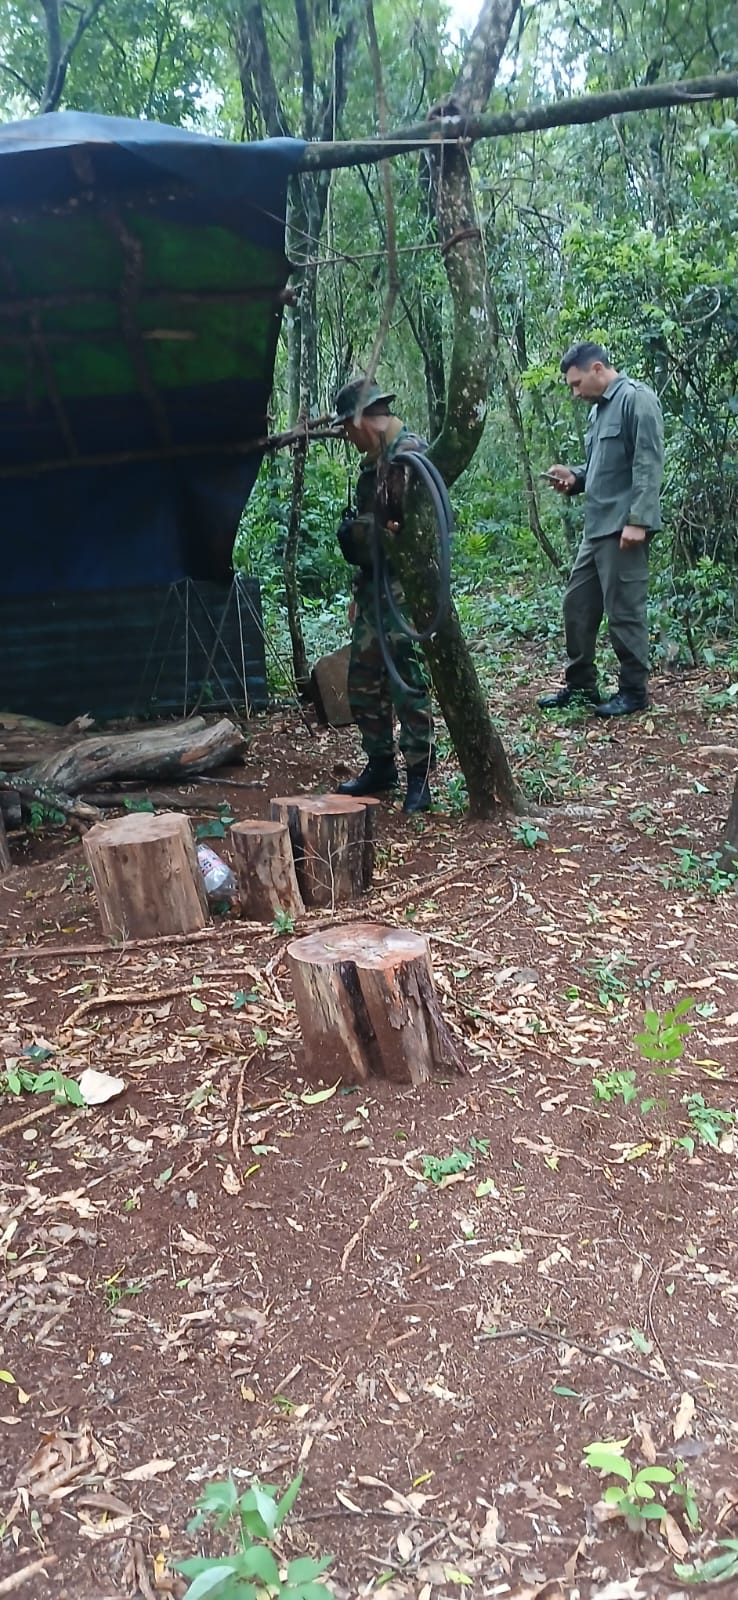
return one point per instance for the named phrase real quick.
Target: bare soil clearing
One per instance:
(219, 1272)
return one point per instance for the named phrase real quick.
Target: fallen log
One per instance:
(367, 1005)
(146, 876)
(179, 749)
(51, 800)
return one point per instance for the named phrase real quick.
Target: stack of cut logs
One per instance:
(364, 993)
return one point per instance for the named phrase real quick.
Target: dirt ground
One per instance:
(215, 1273)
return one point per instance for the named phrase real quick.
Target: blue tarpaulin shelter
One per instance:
(142, 281)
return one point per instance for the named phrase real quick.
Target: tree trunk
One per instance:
(480, 751)
(265, 869)
(146, 876)
(300, 666)
(728, 858)
(178, 750)
(367, 1005)
(5, 861)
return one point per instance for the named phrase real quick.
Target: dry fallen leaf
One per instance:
(193, 1245)
(683, 1418)
(648, 1448)
(230, 1181)
(620, 1589)
(508, 1258)
(678, 1545)
(148, 1469)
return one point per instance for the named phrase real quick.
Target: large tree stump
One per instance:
(265, 868)
(146, 876)
(367, 1005)
(332, 842)
(4, 850)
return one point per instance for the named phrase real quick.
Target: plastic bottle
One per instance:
(220, 883)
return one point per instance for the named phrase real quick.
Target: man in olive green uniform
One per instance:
(363, 412)
(621, 483)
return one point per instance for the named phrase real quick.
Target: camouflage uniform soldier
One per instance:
(373, 694)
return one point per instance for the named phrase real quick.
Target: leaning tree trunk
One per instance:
(480, 751)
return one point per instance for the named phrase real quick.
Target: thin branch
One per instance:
(60, 55)
(393, 274)
(581, 109)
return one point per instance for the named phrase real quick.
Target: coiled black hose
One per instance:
(432, 481)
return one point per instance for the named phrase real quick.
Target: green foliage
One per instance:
(18, 1080)
(662, 1040)
(698, 874)
(283, 922)
(709, 1124)
(529, 834)
(617, 1085)
(635, 1495)
(252, 1520)
(436, 1168)
(715, 1569)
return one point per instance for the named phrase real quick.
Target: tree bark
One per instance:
(728, 858)
(5, 862)
(265, 868)
(325, 155)
(332, 842)
(367, 1005)
(178, 750)
(300, 666)
(146, 876)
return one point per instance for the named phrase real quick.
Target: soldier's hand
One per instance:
(392, 527)
(631, 536)
(561, 479)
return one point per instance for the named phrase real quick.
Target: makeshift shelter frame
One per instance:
(181, 593)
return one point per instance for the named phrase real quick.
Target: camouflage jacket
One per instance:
(380, 494)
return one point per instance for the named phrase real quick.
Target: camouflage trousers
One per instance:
(373, 695)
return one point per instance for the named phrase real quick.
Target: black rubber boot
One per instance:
(569, 697)
(418, 797)
(623, 704)
(379, 775)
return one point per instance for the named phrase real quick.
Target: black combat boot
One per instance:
(624, 704)
(379, 775)
(569, 697)
(418, 797)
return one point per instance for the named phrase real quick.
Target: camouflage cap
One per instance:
(349, 397)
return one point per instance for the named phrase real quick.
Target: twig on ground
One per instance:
(529, 1332)
(10, 1584)
(376, 1203)
(235, 1130)
(40, 952)
(649, 1313)
(125, 997)
(31, 1116)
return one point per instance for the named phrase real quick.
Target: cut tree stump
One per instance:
(146, 876)
(367, 1005)
(5, 862)
(332, 842)
(265, 868)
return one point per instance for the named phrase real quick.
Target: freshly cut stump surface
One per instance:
(147, 880)
(367, 1005)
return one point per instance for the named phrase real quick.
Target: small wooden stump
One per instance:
(367, 1005)
(332, 842)
(146, 876)
(265, 868)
